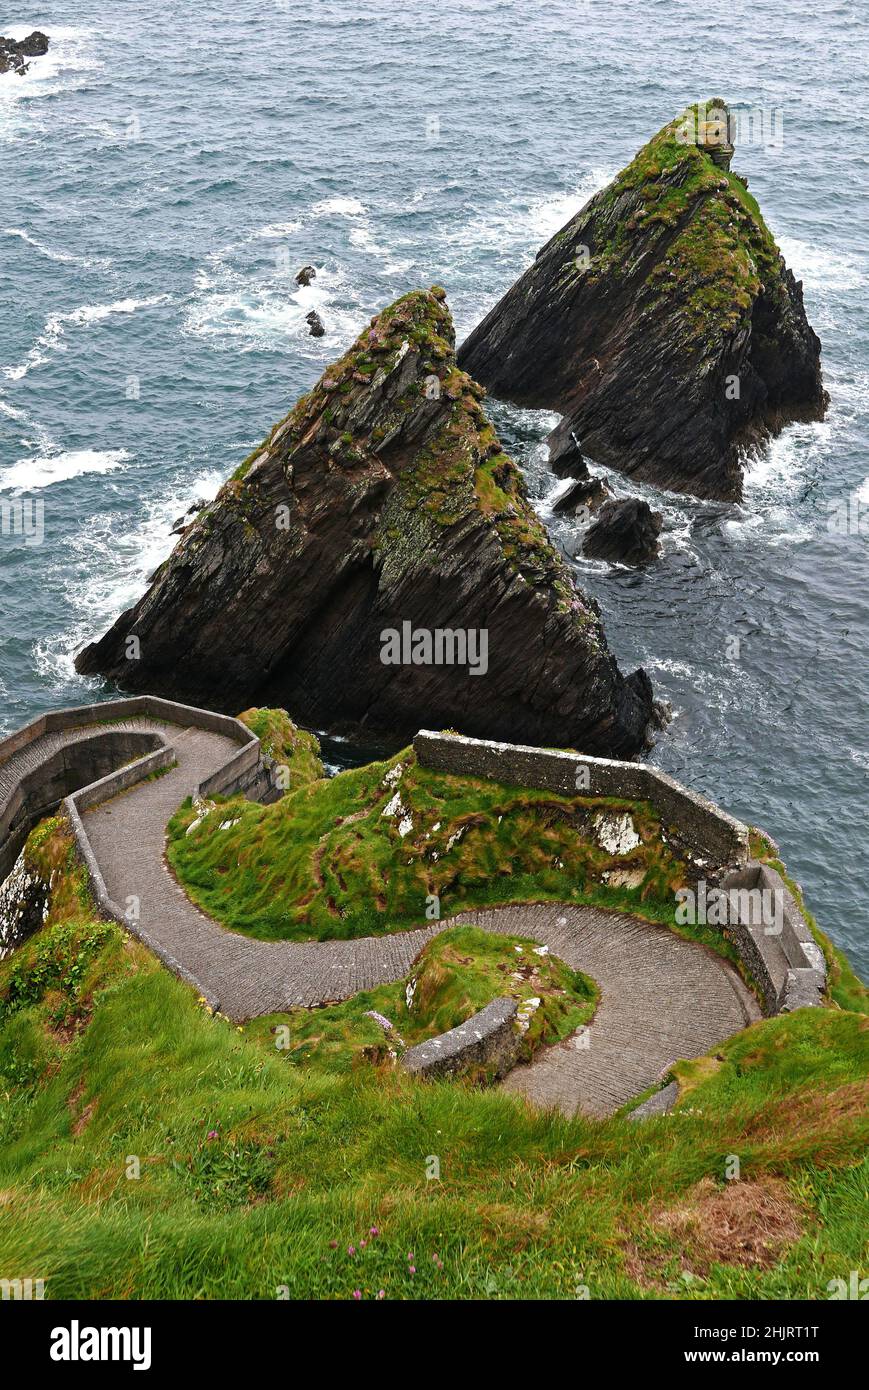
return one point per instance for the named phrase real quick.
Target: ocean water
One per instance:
(167, 170)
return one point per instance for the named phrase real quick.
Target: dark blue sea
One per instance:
(167, 169)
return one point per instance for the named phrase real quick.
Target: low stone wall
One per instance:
(490, 1039)
(57, 779)
(711, 836)
(787, 965)
(42, 788)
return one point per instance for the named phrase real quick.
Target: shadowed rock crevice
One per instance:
(383, 499)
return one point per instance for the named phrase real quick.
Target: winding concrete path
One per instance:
(661, 997)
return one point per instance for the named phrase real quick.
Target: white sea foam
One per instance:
(269, 312)
(822, 268)
(526, 228)
(779, 470)
(275, 230)
(339, 207)
(71, 60)
(33, 474)
(107, 564)
(51, 254)
(56, 325)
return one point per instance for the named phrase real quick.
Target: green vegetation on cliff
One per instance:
(288, 746)
(366, 852)
(458, 470)
(719, 252)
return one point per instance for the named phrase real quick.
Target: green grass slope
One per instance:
(151, 1150)
(368, 850)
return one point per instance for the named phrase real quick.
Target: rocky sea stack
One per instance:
(379, 524)
(626, 530)
(13, 52)
(661, 321)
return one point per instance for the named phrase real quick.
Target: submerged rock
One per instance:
(626, 530)
(14, 51)
(661, 321)
(377, 562)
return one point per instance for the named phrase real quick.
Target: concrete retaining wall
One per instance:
(711, 836)
(787, 965)
(490, 1039)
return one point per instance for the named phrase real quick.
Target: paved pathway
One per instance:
(27, 759)
(661, 997)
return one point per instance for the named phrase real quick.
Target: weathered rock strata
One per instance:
(661, 321)
(383, 499)
(24, 900)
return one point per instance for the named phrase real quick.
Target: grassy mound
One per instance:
(288, 746)
(155, 1151)
(368, 851)
(454, 977)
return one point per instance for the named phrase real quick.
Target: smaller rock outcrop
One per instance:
(14, 51)
(306, 275)
(586, 495)
(566, 458)
(625, 531)
(315, 323)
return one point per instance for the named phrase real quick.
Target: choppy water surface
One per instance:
(166, 171)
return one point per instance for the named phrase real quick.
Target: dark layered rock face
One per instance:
(661, 322)
(626, 530)
(382, 504)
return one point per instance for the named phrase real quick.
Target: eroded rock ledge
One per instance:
(383, 499)
(661, 321)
